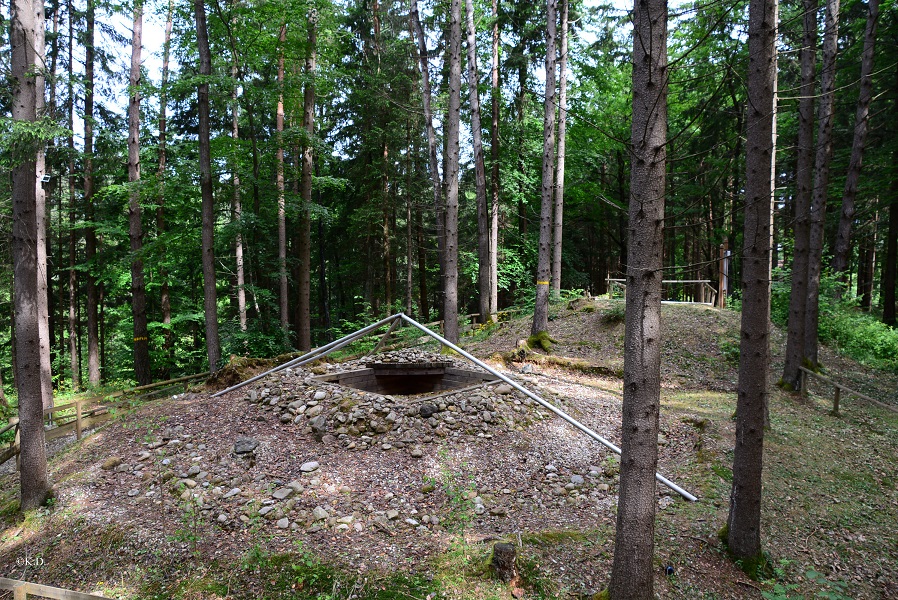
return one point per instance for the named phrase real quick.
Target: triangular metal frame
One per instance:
(394, 320)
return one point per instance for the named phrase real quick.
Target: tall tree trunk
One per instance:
(323, 287)
(236, 198)
(450, 288)
(90, 234)
(890, 268)
(135, 229)
(631, 573)
(43, 252)
(483, 217)
(559, 168)
(164, 296)
(210, 296)
(431, 143)
(543, 267)
(410, 151)
(825, 118)
(282, 211)
(304, 254)
(27, 41)
(744, 522)
(869, 267)
(386, 227)
(861, 124)
(73, 278)
(804, 181)
(423, 305)
(494, 153)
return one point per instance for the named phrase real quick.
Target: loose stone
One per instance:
(309, 466)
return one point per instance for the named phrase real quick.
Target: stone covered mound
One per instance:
(356, 419)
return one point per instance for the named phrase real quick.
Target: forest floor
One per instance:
(417, 518)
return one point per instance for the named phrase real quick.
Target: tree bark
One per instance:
(861, 125)
(282, 211)
(236, 197)
(164, 296)
(825, 118)
(804, 181)
(73, 277)
(559, 167)
(869, 267)
(27, 59)
(304, 254)
(631, 574)
(135, 229)
(890, 268)
(494, 153)
(543, 266)
(431, 142)
(210, 300)
(90, 234)
(483, 216)
(450, 288)
(744, 522)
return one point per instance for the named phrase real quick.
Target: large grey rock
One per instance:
(427, 410)
(233, 492)
(319, 514)
(314, 411)
(319, 427)
(245, 445)
(282, 493)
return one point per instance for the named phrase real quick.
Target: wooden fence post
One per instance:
(836, 401)
(78, 419)
(803, 384)
(20, 592)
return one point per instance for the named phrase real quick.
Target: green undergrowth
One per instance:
(855, 333)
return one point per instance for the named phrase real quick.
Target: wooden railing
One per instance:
(838, 388)
(707, 294)
(85, 413)
(22, 589)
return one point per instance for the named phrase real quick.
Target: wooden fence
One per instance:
(838, 388)
(85, 413)
(22, 589)
(706, 293)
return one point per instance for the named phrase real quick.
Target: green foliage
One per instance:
(20, 140)
(458, 489)
(780, 589)
(615, 313)
(853, 332)
(302, 574)
(730, 350)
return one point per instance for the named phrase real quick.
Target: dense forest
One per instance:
(339, 182)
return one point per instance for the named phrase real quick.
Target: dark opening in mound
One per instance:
(407, 379)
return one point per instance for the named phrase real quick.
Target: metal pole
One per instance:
(540, 401)
(313, 355)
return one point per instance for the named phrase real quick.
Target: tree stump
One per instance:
(504, 561)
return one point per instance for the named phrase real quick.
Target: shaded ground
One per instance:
(830, 492)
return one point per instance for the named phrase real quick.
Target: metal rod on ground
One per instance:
(312, 355)
(542, 402)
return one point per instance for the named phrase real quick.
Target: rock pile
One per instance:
(359, 420)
